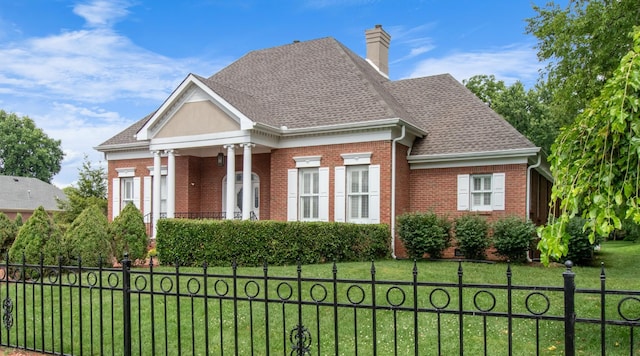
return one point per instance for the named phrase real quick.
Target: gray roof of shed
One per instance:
(321, 82)
(23, 193)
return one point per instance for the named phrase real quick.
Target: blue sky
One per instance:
(85, 70)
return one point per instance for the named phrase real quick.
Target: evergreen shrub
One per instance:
(251, 243)
(472, 236)
(512, 237)
(424, 233)
(129, 234)
(88, 238)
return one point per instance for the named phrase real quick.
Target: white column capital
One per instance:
(229, 147)
(247, 145)
(171, 152)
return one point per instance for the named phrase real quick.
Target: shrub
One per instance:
(580, 248)
(129, 234)
(512, 237)
(88, 238)
(18, 220)
(472, 235)
(8, 232)
(38, 236)
(251, 243)
(424, 233)
(631, 230)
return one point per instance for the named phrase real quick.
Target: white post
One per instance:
(246, 182)
(231, 181)
(171, 183)
(157, 174)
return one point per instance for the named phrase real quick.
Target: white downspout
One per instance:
(393, 191)
(527, 208)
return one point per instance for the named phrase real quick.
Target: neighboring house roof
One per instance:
(321, 83)
(27, 194)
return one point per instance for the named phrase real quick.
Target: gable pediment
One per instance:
(197, 118)
(193, 109)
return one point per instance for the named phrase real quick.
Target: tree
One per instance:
(38, 236)
(91, 190)
(596, 161)
(25, 150)
(582, 45)
(88, 237)
(129, 233)
(525, 110)
(8, 232)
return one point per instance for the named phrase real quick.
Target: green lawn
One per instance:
(52, 313)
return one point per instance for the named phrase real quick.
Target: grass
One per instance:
(51, 314)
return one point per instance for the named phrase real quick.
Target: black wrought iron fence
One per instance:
(176, 311)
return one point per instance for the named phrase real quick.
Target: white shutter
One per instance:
(374, 194)
(146, 198)
(323, 200)
(497, 191)
(292, 195)
(463, 192)
(115, 206)
(339, 205)
(136, 192)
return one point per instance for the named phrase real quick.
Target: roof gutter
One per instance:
(393, 190)
(313, 130)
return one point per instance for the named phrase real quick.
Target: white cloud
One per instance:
(101, 13)
(510, 64)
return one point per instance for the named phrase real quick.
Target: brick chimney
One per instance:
(378, 48)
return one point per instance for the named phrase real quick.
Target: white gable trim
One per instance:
(180, 96)
(126, 172)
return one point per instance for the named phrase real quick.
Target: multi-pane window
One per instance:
(126, 190)
(357, 193)
(309, 192)
(481, 192)
(163, 195)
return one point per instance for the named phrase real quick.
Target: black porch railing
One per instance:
(173, 311)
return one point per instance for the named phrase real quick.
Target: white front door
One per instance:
(255, 195)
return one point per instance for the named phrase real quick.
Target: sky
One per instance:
(85, 70)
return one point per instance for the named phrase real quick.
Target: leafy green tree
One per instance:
(525, 110)
(582, 45)
(91, 190)
(39, 235)
(596, 161)
(129, 234)
(25, 150)
(88, 238)
(8, 232)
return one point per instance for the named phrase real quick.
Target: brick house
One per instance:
(310, 131)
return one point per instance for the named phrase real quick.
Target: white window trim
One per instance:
(126, 172)
(362, 158)
(312, 195)
(163, 170)
(497, 192)
(480, 207)
(349, 194)
(293, 199)
(307, 161)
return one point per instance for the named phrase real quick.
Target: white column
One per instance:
(157, 174)
(231, 181)
(171, 183)
(246, 181)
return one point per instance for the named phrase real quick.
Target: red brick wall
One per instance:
(436, 189)
(141, 170)
(282, 160)
(403, 194)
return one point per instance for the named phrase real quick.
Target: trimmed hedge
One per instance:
(472, 236)
(424, 233)
(251, 243)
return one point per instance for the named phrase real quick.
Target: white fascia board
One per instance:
(196, 141)
(327, 129)
(335, 139)
(122, 155)
(245, 122)
(516, 156)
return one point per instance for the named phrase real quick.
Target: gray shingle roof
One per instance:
(321, 82)
(22, 193)
(456, 120)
